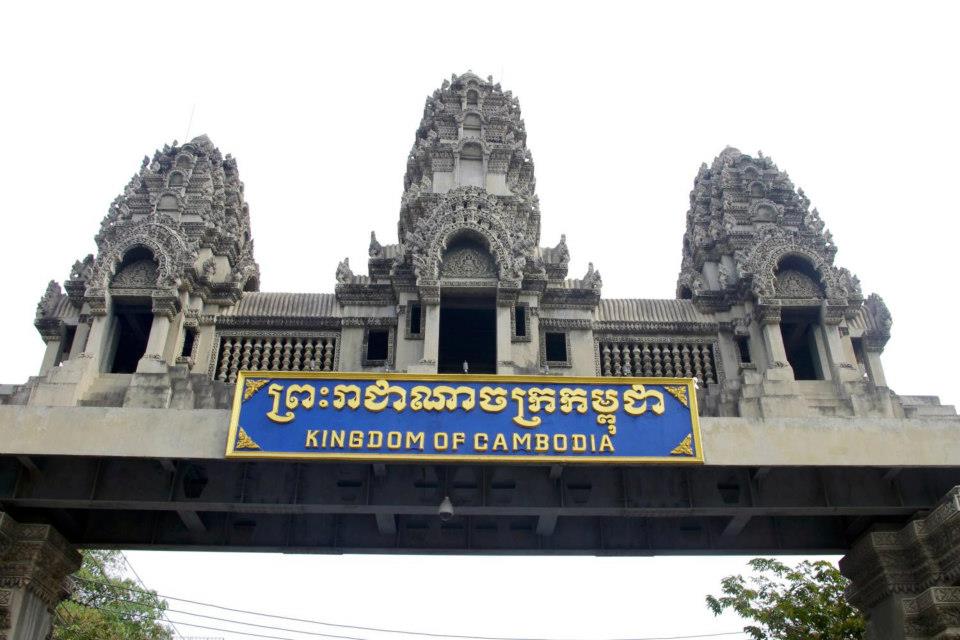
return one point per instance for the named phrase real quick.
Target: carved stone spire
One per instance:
(185, 206)
(745, 218)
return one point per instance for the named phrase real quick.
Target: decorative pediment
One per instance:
(141, 274)
(796, 284)
(467, 261)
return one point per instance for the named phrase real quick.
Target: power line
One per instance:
(375, 629)
(137, 575)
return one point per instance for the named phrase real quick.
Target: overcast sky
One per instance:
(622, 102)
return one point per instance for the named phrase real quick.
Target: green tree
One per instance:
(106, 605)
(791, 603)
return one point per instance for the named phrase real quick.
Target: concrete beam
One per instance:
(202, 434)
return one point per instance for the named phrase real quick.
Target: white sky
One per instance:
(319, 103)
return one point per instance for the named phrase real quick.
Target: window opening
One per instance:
(67, 344)
(556, 347)
(416, 318)
(377, 344)
(189, 336)
(520, 321)
(743, 348)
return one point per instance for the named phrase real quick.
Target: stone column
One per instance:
(505, 363)
(778, 367)
(154, 359)
(841, 369)
(874, 367)
(80, 337)
(35, 561)
(431, 338)
(905, 581)
(50, 354)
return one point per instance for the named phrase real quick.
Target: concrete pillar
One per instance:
(871, 359)
(778, 367)
(431, 340)
(35, 561)
(505, 363)
(904, 580)
(842, 369)
(50, 356)
(156, 344)
(80, 337)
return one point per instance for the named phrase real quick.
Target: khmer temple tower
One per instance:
(763, 317)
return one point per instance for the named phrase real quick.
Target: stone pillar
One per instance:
(906, 581)
(431, 338)
(778, 367)
(35, 561)
(80, 337)
(871, 360)
(154, 359)
(50, 355)
(505, 363)
(841, 369)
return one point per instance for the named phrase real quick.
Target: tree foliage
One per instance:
(791, 603)
(106, 605)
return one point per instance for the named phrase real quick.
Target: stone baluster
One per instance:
(227, 346)
(287, 348)
(667, 361)
(617, 366)
(637, 361)
(308, 363)
(697, 363)
(607, 361)
(685, 356)
(627, 369)
(267, 357)
(657, 361)
(708, 363)
(328, 355)
(277, 355)
(647, 361)
(255, 356)
(245, 357)
(297, 354)
(234, 360)
(677, 362)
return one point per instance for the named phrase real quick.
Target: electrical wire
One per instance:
(137, 575)
(374, 629)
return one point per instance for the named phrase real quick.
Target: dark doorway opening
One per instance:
(801, 346)
(131, 332)
(468, 333)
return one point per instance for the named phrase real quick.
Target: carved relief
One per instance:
(795, 284)
(467, 262)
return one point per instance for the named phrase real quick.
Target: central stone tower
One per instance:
(468, 255)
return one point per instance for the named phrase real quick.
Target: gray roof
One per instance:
(649, 310)
(285, 305)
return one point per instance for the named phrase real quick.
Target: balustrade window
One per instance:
(555, 344)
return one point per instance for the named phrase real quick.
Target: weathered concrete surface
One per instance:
(202, 434)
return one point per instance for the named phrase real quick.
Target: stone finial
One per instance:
(344, 273)
(592, 278)
(48, 302)
(561, 252)
(82, 269)
(376, 249)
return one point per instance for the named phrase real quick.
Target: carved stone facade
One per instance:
(35, 562)
(907, 580)
(763, 317)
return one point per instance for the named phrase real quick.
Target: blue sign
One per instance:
(384, 417)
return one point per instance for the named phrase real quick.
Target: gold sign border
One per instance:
(436, 457)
